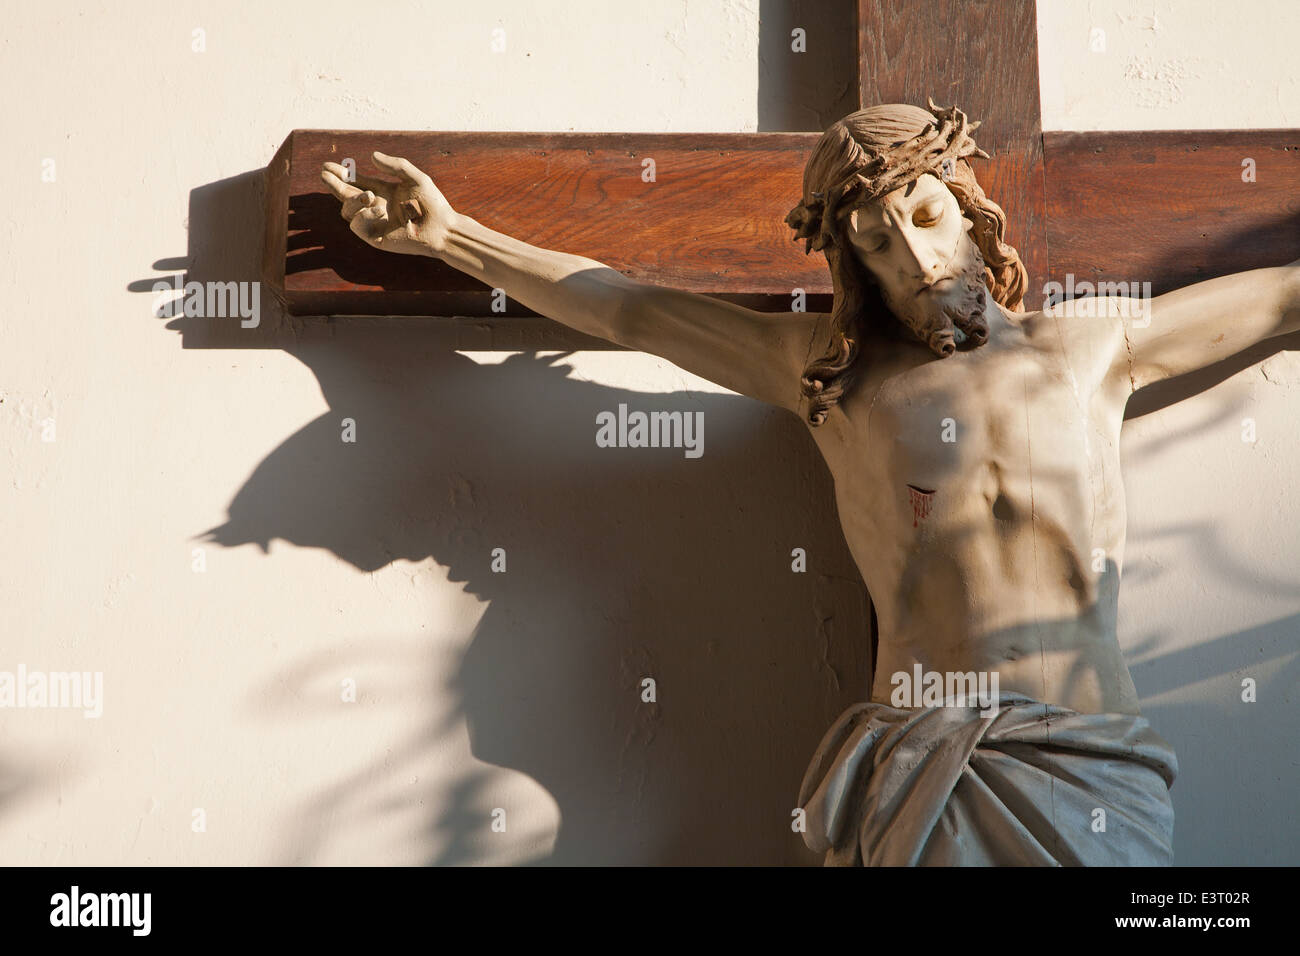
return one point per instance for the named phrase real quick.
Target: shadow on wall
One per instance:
(621, 564)
(806, 92)
(20, 779)
(1195, 701)
(1228, 794)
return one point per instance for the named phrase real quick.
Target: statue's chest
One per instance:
(989, 427)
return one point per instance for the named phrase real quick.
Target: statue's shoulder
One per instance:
(1067, 317)
(816, 333)
(1077, 329)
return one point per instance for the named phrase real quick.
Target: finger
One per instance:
(369, 224)
(339, 170)
(400, 167)
(357, 203)
(337, 185)
(379, 186)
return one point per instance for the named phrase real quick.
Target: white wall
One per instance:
(519, 691)
(1168, 64)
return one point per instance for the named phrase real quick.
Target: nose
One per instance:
(924, 261)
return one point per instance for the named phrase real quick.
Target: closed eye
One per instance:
(928, 216)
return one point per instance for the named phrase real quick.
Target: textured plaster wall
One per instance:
(328, 562)
(1168, 64)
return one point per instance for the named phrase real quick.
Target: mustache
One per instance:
(938, 325)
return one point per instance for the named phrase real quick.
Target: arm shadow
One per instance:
(622, 564)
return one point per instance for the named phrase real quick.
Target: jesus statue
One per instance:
(975, 452)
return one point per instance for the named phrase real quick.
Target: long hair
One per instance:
(859, 158)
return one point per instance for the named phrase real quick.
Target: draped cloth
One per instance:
(944, 786)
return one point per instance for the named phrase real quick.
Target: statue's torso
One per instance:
(981, 497)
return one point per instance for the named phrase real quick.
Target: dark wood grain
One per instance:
(711, 222)
(275, 237)
(981, 56)
(1170, 207)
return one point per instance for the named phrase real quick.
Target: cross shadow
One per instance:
(806, 92)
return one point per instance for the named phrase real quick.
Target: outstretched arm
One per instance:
(1196, 326)
(749, 352)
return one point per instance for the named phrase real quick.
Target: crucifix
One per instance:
(969, 418)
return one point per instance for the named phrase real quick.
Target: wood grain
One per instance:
(1171, 207)
(981, 56)
(712, 221)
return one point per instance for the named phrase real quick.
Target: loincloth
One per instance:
(943, 786)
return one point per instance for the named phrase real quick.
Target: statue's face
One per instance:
(915, 242)
(908, 238)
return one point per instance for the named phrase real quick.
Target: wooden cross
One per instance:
(1166, 207)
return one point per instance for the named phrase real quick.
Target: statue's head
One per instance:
(913, 244)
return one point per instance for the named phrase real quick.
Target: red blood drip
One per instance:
(921, 501)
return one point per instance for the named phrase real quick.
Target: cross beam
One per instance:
(1165, 207)
(710, 220)
(1171, 207)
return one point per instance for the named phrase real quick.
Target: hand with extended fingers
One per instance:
(409, 216)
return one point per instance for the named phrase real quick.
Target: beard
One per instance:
(956, 319)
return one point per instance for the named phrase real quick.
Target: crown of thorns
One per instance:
(945, 140)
